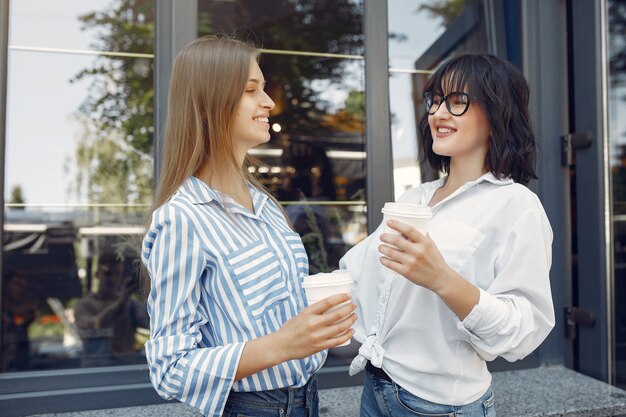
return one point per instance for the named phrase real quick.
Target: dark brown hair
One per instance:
(501, 91)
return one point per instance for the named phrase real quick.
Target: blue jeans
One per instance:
(387, 399)
(285, 402)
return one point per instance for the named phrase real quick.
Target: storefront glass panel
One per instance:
(314, 163)
(421, 34)
(78, 179)
(617, 150)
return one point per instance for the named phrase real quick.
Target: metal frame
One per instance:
(379, 181)
(454, 34)
(92, 388)
(175, 27)
(544, 65)
(595, 241)
(4, 49)
(496, 27)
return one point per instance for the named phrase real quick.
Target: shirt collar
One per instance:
(488, 177)
(492, 179)
(485, 177)
(199, 192)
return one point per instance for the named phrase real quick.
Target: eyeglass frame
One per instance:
(429, 94)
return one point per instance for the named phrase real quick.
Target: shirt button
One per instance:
(264, 226)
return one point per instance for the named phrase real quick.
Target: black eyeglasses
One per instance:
(457, 103)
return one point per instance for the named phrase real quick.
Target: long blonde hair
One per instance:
(208, 79)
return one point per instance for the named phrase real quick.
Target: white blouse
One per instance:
(493, 232)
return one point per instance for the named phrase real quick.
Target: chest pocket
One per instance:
(457, 242)
(258, 274)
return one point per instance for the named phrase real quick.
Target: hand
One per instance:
(416, 257)
(316, 329)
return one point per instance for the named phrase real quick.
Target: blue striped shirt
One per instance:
(220, 276)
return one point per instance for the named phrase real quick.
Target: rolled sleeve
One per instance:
(179, 367)
(515, 314)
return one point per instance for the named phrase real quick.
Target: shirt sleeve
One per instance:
(179, 367)
(515, 314)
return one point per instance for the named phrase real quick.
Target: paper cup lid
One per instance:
(409, 210)
(326, 279)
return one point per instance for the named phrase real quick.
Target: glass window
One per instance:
(617, 142)
(78, 181)
(421, 34)
(314, 162)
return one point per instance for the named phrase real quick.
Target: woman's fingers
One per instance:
(394, 240)
(411, 233)
(337, 314)
(338, 329)
(400, 255)
(328, 303)
(340, 339)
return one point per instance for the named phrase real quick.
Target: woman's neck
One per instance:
(461, 174)
(230, 182)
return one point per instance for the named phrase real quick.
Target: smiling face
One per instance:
(464, 137)
(250, 125)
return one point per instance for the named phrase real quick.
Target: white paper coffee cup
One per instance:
(412, 214)
(322, 285)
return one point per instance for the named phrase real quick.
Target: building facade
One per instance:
(83, 97)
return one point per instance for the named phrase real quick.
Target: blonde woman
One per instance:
(230, 331)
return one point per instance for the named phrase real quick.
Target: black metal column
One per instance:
(377, 110)
(176, 25)
(4, 48)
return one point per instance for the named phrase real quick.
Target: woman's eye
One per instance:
(251, 91)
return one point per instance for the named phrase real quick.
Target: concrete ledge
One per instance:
(538, 392)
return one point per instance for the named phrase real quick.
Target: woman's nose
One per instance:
(442, 112)
(267, 102)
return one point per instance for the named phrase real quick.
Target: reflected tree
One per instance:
(617, 28)
(447, 10)
(617, 46)
(17, 197)
(326, 26)
(113, 152)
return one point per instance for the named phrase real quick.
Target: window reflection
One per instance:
(317, 155)
(70, 291)
(617, 135)
(421, 35)
(19, 312)
(315, 160)
(320, 178)
(312, 58)
(289, 25)
(108, 318)
(71, 235)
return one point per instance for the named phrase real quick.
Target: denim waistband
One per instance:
(280, 397)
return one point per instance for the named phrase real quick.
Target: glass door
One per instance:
(617, 162)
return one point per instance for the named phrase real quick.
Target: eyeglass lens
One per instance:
(457, 103)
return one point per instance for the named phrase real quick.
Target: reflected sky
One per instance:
(42, 103)
(412, 32)
(41, 136)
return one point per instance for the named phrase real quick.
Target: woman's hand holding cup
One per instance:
(317, 328)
